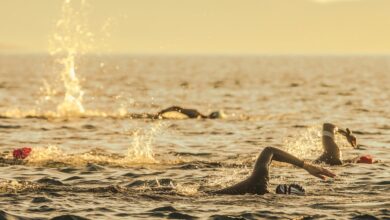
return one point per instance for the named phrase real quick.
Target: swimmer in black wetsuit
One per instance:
(190, 113)
(332, 153)
(257, 182)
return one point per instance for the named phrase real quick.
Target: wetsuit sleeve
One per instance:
(331, 154)
(170, 109)
(342, 132)
(192, 113)
(257, 182)
(272, 153)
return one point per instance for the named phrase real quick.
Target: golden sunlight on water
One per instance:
(99, 149)
(114, 151)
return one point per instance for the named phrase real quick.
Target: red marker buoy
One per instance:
(21, 153)
(366, 159)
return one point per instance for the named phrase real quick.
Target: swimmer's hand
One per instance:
(351, 138)
(318, 171)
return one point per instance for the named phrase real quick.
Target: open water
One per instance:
(106, 162)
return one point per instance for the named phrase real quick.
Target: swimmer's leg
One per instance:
(257, 182)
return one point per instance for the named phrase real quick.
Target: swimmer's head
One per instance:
(217, 114)
(293, 189)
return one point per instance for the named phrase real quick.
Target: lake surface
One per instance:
(104, 163)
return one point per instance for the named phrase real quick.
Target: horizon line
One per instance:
(211, 54)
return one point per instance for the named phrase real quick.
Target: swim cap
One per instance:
(21, 153)
(217, 114)
(294, 189)
(366, 159)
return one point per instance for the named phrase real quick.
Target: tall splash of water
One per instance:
(70, 40)
(72, 103)
(141, 150)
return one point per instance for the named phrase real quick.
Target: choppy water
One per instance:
(104, 164)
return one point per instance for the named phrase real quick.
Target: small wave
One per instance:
(367, 133)
(50, 115)
(164, 209)
(165, 185)
(51, 181)
(69, 217)
(40, 199)
(385, 127)
(173, 213)
(191, 154)
(97, 159)
(365, 217)
(136, 175)
(178, 215)
(5, 215)
(53, 156)
(46, 185)
(50, 185)
(10, 126)
(140, 152)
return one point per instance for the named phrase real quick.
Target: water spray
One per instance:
(70, 40)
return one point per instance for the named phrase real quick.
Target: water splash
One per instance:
(140, 152)
(70, 40)
(54, 156)
(37, 113)
(13, 186)
(72, 103)
(228, 177)
(186, 189)
(308, 143)
(41, 155)
(141, 149)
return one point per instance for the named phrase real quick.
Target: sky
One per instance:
(207, 26)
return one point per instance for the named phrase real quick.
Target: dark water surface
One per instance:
(105, 164)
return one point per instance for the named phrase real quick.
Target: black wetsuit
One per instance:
(257, 182)
(191, 113)
(332, 153)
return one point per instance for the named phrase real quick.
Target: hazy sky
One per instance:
(209, 26)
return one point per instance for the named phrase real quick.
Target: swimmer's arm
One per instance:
(170, 109)
(350, 137)
(283, 156)
(193, 113)
(318, 171)
(344, 132)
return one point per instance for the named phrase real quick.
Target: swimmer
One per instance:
(190, 113)
(257, 182)
(332, 153)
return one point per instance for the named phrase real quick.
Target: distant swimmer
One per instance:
(332, 154)
(257, 182)
(179, 112)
